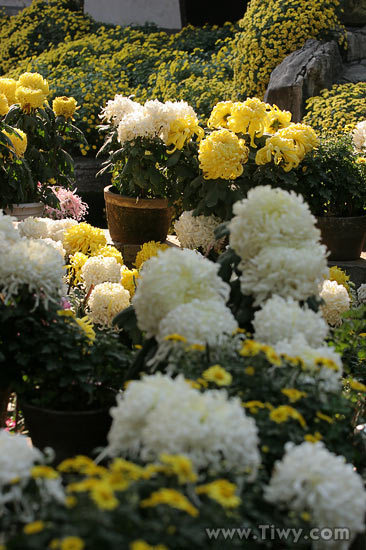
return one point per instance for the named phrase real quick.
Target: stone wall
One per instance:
(14, 6)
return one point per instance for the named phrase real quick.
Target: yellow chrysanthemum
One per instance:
(34, 527)
(142, 545)
(313, 438)
(72, 543)
(250, 348)
(217, 375)
(172, 498)
(222, 155)
(103, 495)
(281, 150)
(129, 280)
(324, 417)
(175, 338)
(182, 130)
(337, 274)
(34, 81)
(79, 463)
(284, 412)
(293, 394)
(8, 87)
(4, 106)
(29, 99)
(249, 117)
(19, 141)
(109, 251)
(131, 471)
(148, 250)
(83, 238)
(76, 262)
(358, 386)
(222, 491)
(64, 106)
(43, 472)
(361, 160)
(219, 114)
(254, 406)
(277, 119)
(87, 326)
(181, 466)
(304, 137)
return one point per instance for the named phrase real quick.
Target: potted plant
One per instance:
(44, 133)
(144, 143)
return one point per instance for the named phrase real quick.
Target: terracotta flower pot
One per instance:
(22, 211)
(136, 221)
(344, 237)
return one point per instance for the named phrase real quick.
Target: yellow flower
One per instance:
(8, 87)
(83, 238)
(250, 348)
(19, 141)
(222, 491)
(254, 406)
(284, 412)
(34, 527)
(249, 117)
(327, 363)
(222, 155)
(181, 466)
(361, 160)
(4, 106)
(337, 274)
(324, 417)
(175, 338)
(219, 114)
(79, 463)
(131, 471)
(218, 375)
(293, 394)
(313, 438)
(196, 347)
(305, 516)
(109, 251)
(70, 501)
(72, 543)
(29, 99)
(277, 119)
(103, 496)
(181, 130)
(303, 136)
(148, 250)
(281, 150)
(356, 385)
(34, 81)
(54, 544)
(172, 498)
(64, 106)
(82, 486)
(272, 356)
(129, 280)
(87, 326)
(142, 545)
(45, 472)
(249, 371)
(76, 262)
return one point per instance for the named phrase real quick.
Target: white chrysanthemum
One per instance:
(159, 414)
(35, 264)
(282, 319)
(8, 230)
(137, 124)
(106, 300)
(359, 136)
(100, 269)
(288, 272)
(271, 217)
(172, 278)
(57, 245)
(17, 457)
(322, 364)
(197, 231)
(200, 322)
(57, 228)
(361, 294)
(173, 111)
(337, 301)
(34, 228)
(309, 478)
(116, 109)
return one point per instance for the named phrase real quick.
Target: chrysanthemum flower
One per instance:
(19, 141)
(64, 106)
(106, 300)
(29, 99)
(277, 119)
(129, 279)
(249, 117)
(83, 237)
(148, 250)
(219, 114)
(280, 150)
(4, 106)
(8, 87)
(222, 155)
(182, 130)
(34, 81)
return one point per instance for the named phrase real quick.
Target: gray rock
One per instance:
(356, 40)
(86, 170)
(304, 74)
(353, 72)
(354, 13)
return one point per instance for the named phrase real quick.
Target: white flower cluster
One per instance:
(119, 107)
(106, 300)
(275, 236)
(57, 228)
(35, 228)
(337, 301)
(159, 414)
(311, 479)
(100, 269)
(317, 370)
(8, 232)
(359, 136)
(283, 319)
(176, 277)
(197, 231)
(361, 294)
(57, 245)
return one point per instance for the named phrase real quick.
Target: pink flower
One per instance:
(65, 304)
(71, 205)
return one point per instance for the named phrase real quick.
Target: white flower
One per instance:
(17, 457)
(288, 272)
(309, 478)
(106, 300)
(359, 136)
(57, 245)
(282, 319)
(200, 322)
(36, 228)
(197, 231)
(337, 301)
(159, 414)
(361, 294)
(35, 264)
(137, 124)
(322, 365)
(57, 228)
(271, 217)
(100, 269)
(172, 278)
(116, 109)
(8, 230)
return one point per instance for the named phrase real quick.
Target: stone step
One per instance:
(356, 269)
